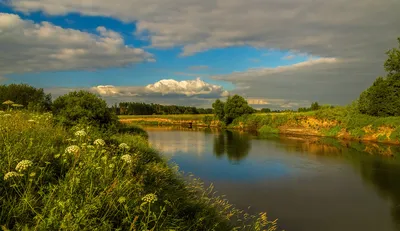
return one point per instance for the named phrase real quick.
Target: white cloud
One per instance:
(262, 72)
(30, 47)
(357, 30)
(185, 87)
(167, 91)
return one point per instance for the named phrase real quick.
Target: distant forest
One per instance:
(135, 108)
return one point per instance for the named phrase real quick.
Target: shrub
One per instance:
(32, 98)
(83, 107)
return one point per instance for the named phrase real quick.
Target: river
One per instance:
(308, 183)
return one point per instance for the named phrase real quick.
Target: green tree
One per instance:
(383, 97)
(219, 110)
(315, 106)
(83, 107)
(236, 106)
(33, 98)
(265, 110)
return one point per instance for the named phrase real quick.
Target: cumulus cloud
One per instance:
(355, 33)
(166, 91)
(30, 47)
(185, 87)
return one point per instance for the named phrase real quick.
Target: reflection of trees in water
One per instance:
(384, 176)
(379, 171)
(235, 145)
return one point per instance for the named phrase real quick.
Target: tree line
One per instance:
(381, 99)
(139, 108)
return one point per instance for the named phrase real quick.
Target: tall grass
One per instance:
(81, 179)
(340, 119)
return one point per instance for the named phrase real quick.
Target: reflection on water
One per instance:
(308, 183)
(233, 144)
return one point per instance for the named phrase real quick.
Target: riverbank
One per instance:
(339, 122)
(199, 120)
(52, 178)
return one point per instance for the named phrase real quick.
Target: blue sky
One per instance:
(274, 54)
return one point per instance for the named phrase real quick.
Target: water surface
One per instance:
(307, 183)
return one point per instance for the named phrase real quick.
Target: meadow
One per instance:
(340, 122)
(83, 178)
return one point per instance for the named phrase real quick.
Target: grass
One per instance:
(81, 179)
(332, 122)
(169, 117)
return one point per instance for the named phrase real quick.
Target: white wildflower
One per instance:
(80, 133)
(150, 198)
(31, 121)
(73, 149)
(23, 165)
(11, 175)
(127, 158)
(123, 146)
(99, 142)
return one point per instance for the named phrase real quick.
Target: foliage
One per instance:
(82, 107)
(135, 108)
(383, 97)
(32, 98)
(233, 108)
(265, 110)
(207, 120)
(219, 109)
(57, 179)
(314, 106)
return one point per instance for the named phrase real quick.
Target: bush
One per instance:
(83, 107)
(29, 97)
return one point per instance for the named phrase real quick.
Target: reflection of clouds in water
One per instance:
(170, 143)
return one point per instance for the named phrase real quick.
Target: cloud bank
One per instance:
(29, 47)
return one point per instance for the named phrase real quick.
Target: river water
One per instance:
(308, 183)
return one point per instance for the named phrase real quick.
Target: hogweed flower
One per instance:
(99, 142)
(73, 149)
(150, 198)
(123, 146)
(127, 158)
(80, 133)
(23, 165)
(9, 175)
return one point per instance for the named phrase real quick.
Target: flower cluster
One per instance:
(11, 175)
(123, 146)
(127, 158)
(150, 198)
(99, 142)
(23, 165)
(73, 149)
(80, 133)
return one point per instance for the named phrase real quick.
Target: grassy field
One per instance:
(169, 117)
(340, 122)
(83, 179)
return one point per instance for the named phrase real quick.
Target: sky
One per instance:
(277, 54)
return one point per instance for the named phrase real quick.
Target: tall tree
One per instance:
(219, 109)
(383, 97)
